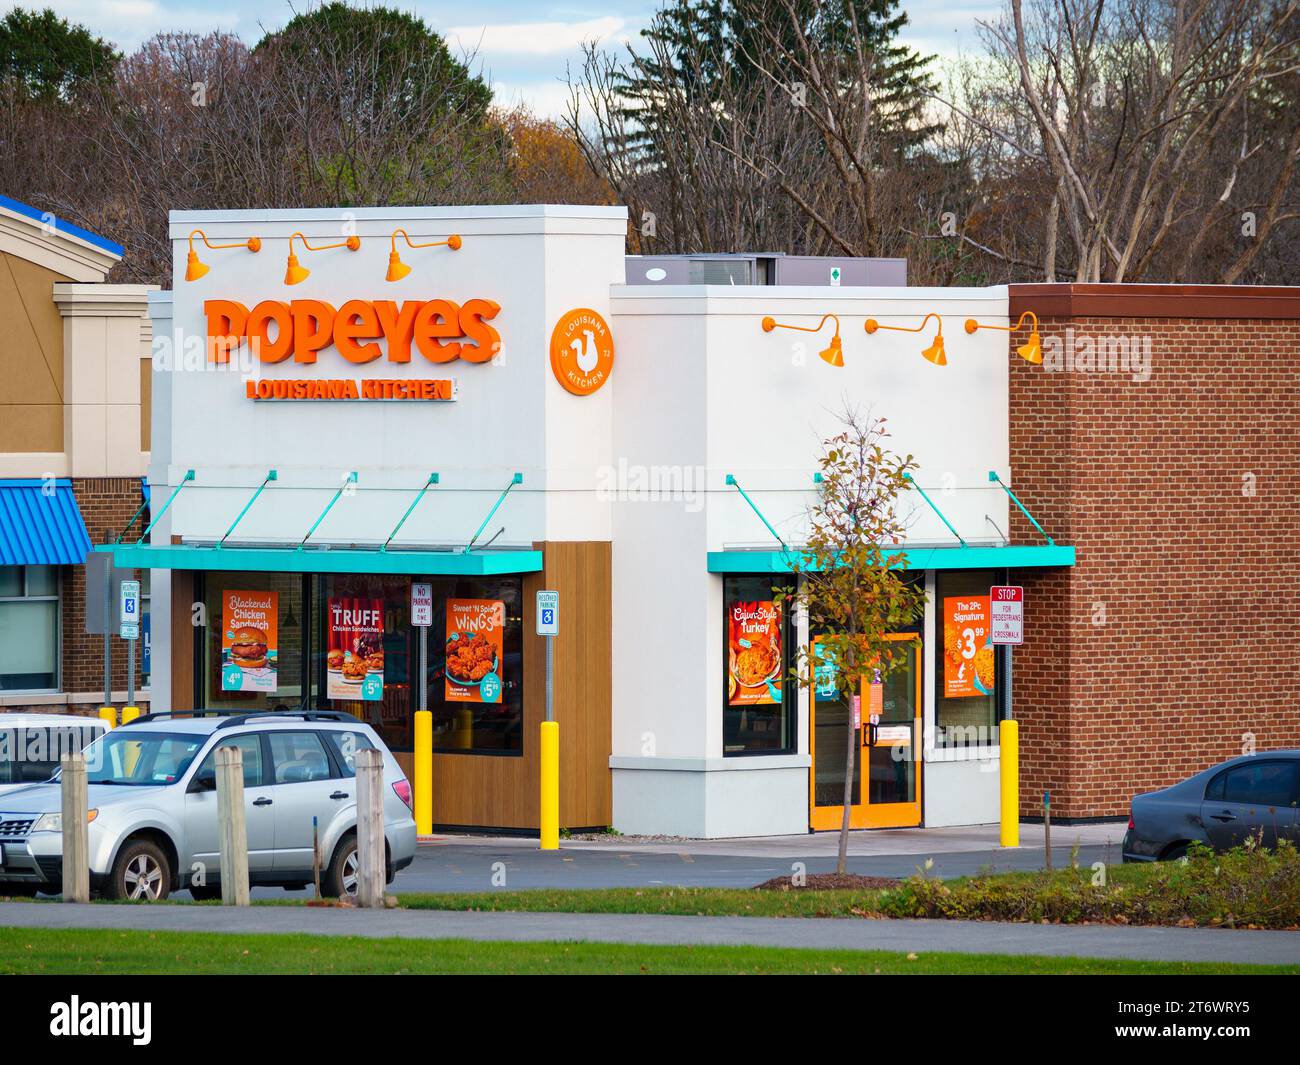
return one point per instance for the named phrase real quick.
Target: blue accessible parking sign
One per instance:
(548, 613)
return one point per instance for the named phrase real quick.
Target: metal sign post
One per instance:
(108, 643)
(129, 620)
(422, 619)
(1007, 628)
(548, 626)
(103, 586)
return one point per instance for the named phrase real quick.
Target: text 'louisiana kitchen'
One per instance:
(346, 388)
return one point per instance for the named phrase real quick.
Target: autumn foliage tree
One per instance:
(851, 583)
(345, 106)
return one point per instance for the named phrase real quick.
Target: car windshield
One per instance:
(135, 757)
(31, 755)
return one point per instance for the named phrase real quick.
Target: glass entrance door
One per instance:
(887, 750)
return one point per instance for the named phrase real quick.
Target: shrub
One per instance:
(1247, 887)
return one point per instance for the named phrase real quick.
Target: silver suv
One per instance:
(153, 806)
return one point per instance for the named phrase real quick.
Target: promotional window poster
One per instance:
(354, 664)
(474, 634)
(248, 641)
(967, 650)
(753, 653)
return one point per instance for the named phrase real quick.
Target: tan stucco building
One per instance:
(74, 447)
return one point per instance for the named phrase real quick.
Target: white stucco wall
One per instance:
(511, 415)
(697, 391)
(733, 399)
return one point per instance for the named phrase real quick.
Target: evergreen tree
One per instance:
(695, 46)
(44, 57)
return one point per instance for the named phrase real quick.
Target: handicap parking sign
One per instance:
(548, 613)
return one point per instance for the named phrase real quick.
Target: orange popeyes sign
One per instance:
(441, 330)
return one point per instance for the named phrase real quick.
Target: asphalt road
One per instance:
(977, 937)
(519, 866)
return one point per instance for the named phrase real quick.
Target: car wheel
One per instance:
(343, 873)
(140, 872)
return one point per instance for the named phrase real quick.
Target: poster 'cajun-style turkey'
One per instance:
(753, 653)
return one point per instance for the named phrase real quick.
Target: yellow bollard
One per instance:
(550, 806)
(462, 736)
(130, 713)
(424, 773)
(1009, 737)
(108, 715)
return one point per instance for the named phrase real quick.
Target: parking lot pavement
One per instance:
(869, 843)
(518, 864)
(978, 937)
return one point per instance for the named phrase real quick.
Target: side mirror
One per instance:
(204, 782)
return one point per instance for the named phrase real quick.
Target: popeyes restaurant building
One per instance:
(493, 401)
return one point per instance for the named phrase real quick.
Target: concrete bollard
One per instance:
(76, 829)
(232, 825)
(370, 828)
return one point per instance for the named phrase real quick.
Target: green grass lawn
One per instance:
(715, 902)
(693, 902)
(25, 951)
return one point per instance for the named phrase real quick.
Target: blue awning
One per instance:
(40, 524)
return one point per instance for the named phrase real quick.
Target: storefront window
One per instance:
(361, 652)
(252, 643)
(365, 659)
(759, 698)
(966, 672)
(476, 690)
(29, 628)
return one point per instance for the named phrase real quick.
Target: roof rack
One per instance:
(305, 715)
(154, 716)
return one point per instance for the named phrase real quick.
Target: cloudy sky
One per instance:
(522, 47)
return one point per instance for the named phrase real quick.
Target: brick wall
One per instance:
(106, 504)
(1175, 633)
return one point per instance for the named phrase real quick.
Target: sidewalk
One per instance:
(892, 841)
(978, 937)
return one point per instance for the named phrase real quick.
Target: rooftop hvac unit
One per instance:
(765, 268)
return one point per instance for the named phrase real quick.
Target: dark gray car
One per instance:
(1256, 795)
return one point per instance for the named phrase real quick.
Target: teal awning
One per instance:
(289, 559)
(918, 558)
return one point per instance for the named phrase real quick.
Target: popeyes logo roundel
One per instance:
(582, 351)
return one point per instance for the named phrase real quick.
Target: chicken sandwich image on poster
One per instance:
(248, 641)
(354, 663)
